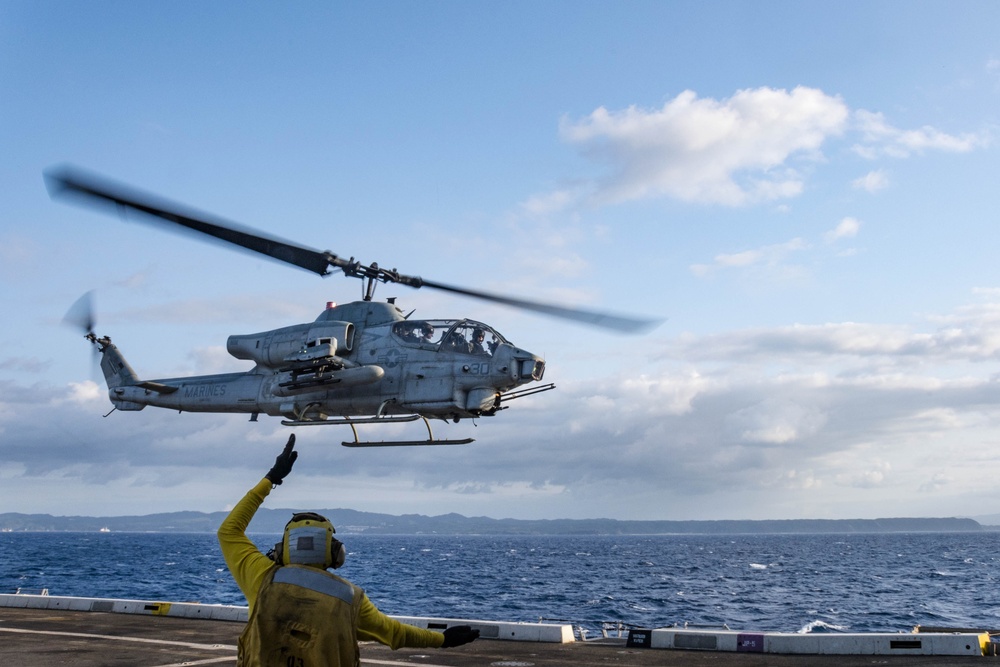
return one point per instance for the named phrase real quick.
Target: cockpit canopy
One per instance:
(461, 336)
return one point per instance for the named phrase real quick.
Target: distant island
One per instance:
(353, 522)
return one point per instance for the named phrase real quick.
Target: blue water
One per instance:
(789, 583)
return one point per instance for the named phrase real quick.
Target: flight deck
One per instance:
(57, 635)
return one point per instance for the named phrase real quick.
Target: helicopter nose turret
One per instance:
(519, 365)
(532, 368)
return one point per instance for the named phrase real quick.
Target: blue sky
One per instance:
(804, 191)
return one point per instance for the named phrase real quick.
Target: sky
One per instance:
(805, 193)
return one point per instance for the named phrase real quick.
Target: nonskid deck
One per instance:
(91, 632)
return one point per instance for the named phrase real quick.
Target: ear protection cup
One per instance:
(309, 540)
(338, 554)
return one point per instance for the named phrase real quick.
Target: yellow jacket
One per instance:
(303, 616)
(250, 567)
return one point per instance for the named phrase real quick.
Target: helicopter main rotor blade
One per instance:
(100, 191)
(593, 318)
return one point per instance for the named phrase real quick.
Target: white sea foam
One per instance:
(820, 626)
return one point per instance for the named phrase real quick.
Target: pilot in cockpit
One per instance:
(407, 333)
(476, 345)
(456, 342)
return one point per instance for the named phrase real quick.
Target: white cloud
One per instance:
(215, 359)
(775, 422)
(85, 392)
(800, 480)
(881, 138)
(866, 479)
(672, 393)
(772, 260)
(731, 152)
(549, 202)
(746, 149)
(847, 228)
(936, 483)
(873, 181)
(974, 341)
(771, 256)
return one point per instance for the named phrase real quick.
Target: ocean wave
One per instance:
(815, 627)
(781, 583)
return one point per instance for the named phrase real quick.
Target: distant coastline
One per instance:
(354, 522)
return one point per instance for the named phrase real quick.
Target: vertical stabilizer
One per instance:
(117, 372)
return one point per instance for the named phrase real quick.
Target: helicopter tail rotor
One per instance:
(81, 316)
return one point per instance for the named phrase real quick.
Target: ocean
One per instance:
(783, 583)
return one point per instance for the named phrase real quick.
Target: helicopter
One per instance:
(363, 362)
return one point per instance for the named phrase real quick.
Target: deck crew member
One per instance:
(301, 614)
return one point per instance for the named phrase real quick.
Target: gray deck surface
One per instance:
(37, 638)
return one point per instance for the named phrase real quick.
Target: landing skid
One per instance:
(348, 421)
(352, 422)
(405, 443)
